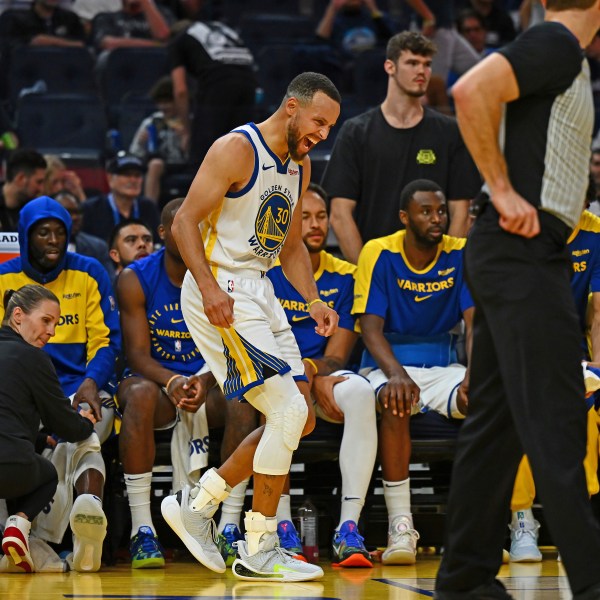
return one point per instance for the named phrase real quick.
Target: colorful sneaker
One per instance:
(402, 543)
(272, 563)
(225, 541)
(523, 542)
(15, 543)
(290, 540)
(146, 551)
(88, 524)
(349, 548)
(196, 529)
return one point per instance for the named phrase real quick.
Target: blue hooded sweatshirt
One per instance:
(87, 338)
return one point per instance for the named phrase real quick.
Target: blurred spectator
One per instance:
(158, 140)
(102, 213)
(58, 177)
(354, 25)
(25, 170)
(138, 23)
(215, 56)
(44, 24)
(471, 26)
(531, 12)
(86, 10)
(454, 54)
(129, 241)
(81, 242)
(498, 23)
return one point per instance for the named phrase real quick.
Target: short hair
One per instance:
(306, 85)
(25, 161)
(319, 191)
(168, 212)
(418, 185)
(468, 13)
(162, 90)
(412, 41)
(26, 298)
(116, 230)
(559, 5)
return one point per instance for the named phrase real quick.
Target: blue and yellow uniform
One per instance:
(335, 283)
(171, 343)
(419, 308)
(88, 337)
(584, 248)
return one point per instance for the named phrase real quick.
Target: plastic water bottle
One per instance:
(152, 144)
(309, 530)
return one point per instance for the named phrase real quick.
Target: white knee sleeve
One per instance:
(285, 410)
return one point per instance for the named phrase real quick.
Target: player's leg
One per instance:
(241, 419)
(145, 407)
(356, 400)
(394, 454)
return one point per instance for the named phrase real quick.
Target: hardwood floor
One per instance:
(188, 580)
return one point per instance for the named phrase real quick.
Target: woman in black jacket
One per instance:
(30, 393)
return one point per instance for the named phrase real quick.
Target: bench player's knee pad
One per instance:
(285, 410)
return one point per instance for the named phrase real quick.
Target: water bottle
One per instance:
(152, 144)
(114, 141)
(309, 531)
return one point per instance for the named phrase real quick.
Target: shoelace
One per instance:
(290, 537)
(519, 533)
(354, 539)
(149, 543)
(396, 535)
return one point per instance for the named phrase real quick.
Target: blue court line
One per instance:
(406, 586)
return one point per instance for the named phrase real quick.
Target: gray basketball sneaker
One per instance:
(197, 530)
(272, 563)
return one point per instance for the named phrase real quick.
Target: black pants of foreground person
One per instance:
(28, 486)
(526, 396)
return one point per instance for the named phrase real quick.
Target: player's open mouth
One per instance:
(141, 255)
(308, 143)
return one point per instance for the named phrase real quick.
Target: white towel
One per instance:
(45, 560)
(70, 460)
(189, 447)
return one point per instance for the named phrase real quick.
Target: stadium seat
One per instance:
(63, 70)
(130, 71)
(259, 29)
(131, 111)
(72, 124)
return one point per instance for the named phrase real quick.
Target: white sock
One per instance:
(284, 508)
(523, 519)
(358, 450)
(138, 492)
(397, 498)
(231, 509)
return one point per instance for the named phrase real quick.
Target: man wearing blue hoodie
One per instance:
(83, 352)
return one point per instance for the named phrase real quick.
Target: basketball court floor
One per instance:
(186, 580)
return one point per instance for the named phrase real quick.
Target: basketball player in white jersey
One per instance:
(243, 211)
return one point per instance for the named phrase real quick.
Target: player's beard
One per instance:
(293, 141)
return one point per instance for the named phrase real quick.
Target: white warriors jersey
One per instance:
(249, 228)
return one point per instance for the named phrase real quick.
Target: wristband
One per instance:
(314, 302)
(170, 381)
(313, 364)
